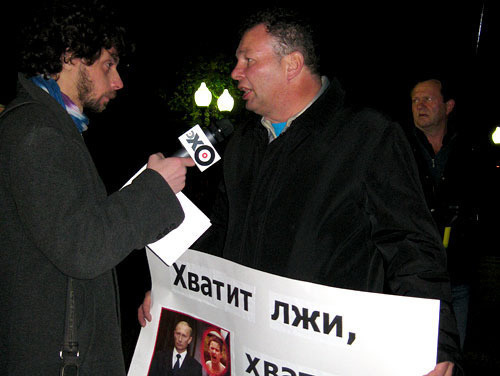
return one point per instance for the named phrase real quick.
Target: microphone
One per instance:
(215, 133)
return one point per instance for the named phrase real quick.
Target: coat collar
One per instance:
(333, 93)
(27, 91)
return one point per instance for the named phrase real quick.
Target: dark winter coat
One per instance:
(57, 221)
(334, 200)
(454, 183)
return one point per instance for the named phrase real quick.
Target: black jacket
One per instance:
(452, 181)
(57, 221)
(334, 200)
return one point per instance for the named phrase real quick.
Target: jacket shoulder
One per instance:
(23, 109)
(26, 117)
(372, 118)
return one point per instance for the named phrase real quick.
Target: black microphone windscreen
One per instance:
(221, 129)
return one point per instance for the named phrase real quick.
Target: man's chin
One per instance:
(95, 107)
(422, 125)
(98, 106)
(94, 110)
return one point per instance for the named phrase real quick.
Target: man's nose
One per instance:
(116, 81)
(421, 105)
(237, 73)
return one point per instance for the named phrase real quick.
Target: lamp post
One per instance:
(225, 101)
(203, 98)
(495, 136)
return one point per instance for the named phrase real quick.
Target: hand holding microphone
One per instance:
(174, 169)
(215, 133)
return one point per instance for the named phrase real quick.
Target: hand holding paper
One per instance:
(195, 223)
(175, 243)
(144, 311)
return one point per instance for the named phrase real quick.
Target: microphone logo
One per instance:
(205, 155)
(199, 148)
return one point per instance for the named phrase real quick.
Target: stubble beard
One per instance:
(85, 88)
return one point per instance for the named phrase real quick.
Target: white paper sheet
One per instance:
(175, 243)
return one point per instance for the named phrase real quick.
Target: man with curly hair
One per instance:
(61, 234)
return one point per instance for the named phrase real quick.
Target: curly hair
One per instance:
(82, 29)
(291, 31)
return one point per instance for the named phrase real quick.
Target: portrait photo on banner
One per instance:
(206, 346)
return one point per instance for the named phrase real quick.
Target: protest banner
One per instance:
(270, 325)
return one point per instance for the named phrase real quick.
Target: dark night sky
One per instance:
(375, 48)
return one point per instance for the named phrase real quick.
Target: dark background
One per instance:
(376, 49)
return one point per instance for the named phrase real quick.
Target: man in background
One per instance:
(449, 172)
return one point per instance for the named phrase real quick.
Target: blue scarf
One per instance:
(52, 88)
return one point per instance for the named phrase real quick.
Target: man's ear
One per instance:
(450, 105)
(295, 64)
(68, 60)
(66, 77)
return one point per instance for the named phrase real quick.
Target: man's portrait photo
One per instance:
(175, 347)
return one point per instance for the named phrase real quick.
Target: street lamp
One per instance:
(225, 101)
(203, 96)
(495, 136)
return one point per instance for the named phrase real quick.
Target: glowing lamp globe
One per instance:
(496, 136)
(203, 96)
(225, 101)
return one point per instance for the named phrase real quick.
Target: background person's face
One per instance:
(428, 107)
